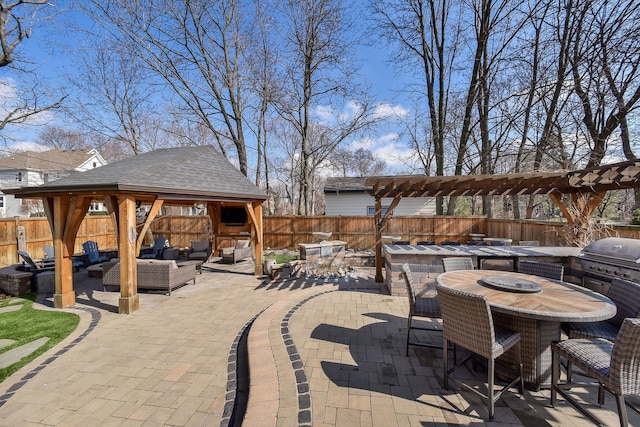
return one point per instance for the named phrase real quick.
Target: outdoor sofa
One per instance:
(152, 274)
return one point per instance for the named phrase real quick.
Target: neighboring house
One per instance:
(348, 197)
(31, 168)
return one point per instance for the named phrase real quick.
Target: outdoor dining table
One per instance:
(535, 307)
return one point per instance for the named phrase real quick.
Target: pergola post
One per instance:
(578, 211)
(127, 243)
(377, 217)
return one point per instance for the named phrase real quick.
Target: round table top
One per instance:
(558, 301)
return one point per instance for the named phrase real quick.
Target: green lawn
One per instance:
(29, 324)
(282, 258)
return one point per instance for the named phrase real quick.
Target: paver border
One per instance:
(232, 373)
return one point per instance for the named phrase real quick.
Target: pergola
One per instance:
(172, 176)
(576, 193)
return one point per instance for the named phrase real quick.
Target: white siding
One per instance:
(356, 204)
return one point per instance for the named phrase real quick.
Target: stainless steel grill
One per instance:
(609, 258)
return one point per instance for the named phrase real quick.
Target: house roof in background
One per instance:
(55, 159)
(346, 184)
(184, 173)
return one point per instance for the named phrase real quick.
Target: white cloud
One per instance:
(387, 111)
(388, 148)
(324, 114)
(28, 146)
(394, 153)
(372, 143)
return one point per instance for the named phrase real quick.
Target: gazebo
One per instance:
(171, 176)
(576, 193)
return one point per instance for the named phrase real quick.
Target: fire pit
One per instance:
(511, 284)
(326, 255)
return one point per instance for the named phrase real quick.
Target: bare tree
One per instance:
(62, 138)
(195, 47)
(17, 19)
(262, 60)
(319, 35)
(360, 162)
(16, 24)
(114, 101)
(605, 63)
(427, 37)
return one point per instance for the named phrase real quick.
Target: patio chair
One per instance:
(90, 248)
(614, 366)
(626, 296)
(48, 252)
(419, 307)
(425, 243)
(457, 263)
(158, 247)
(200, 250)
(542, 269)
(28, 264)
(50, 258)
(467, 322)
(240, 251)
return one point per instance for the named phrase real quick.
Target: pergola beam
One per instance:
(587, 189)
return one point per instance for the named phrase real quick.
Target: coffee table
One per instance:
(197, 263)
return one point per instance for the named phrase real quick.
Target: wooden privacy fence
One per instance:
(281, 232)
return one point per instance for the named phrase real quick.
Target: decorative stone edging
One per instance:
(232, 374)
(95, 318)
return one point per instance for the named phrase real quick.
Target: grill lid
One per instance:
(618, 248)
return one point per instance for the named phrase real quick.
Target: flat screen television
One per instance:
(233, 215)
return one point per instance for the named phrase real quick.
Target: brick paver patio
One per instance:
(322, 352)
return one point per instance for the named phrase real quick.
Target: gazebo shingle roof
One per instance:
(183, 171)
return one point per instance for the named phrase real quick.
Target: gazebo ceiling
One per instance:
(610, 177)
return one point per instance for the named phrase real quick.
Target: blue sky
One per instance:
(49, 44)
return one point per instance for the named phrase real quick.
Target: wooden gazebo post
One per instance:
(127, 243)
(65, 214)
(255, 213)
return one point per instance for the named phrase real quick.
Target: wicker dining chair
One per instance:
(467, 322)
(419, 307)
(542, 269)
(457, 263)
(614, 366)
(626, 296)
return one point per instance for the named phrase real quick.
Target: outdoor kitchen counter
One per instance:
(536, 315)
(426, 261)
(483, 251)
